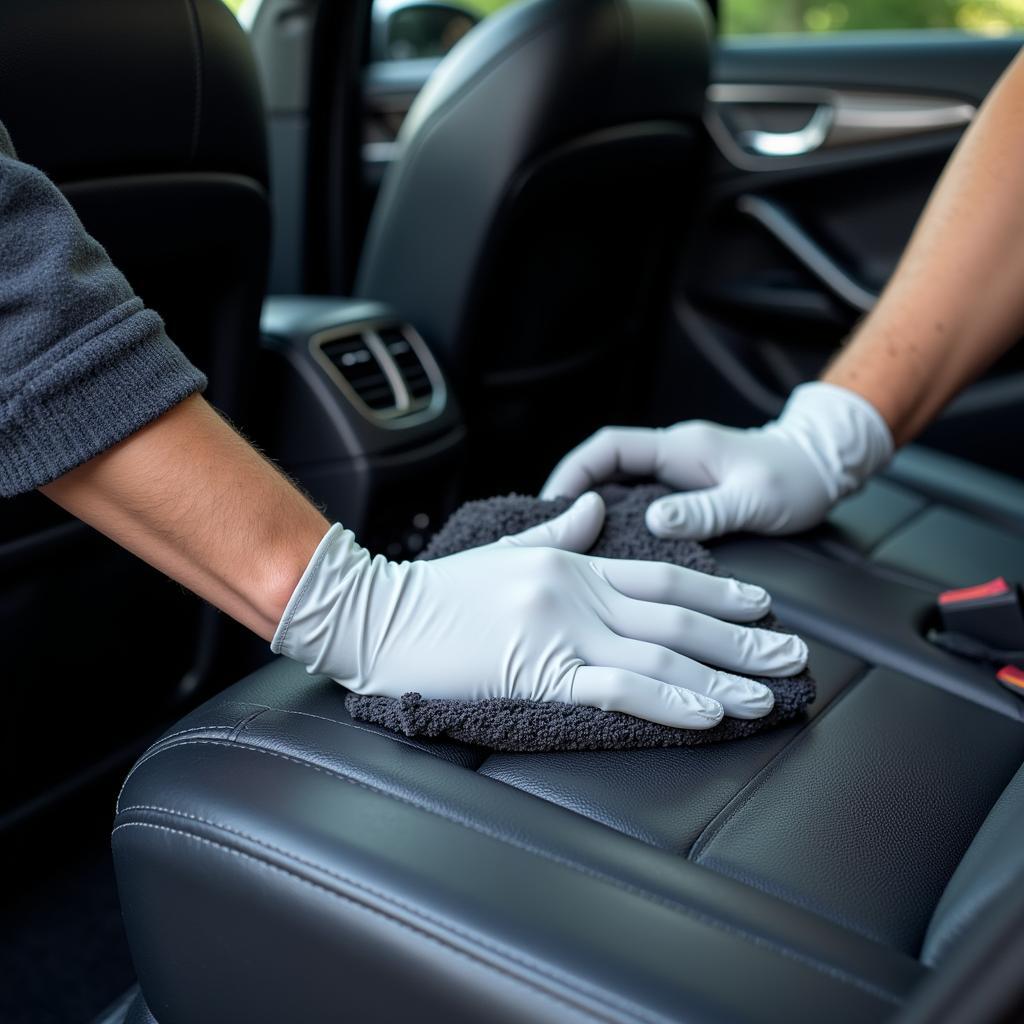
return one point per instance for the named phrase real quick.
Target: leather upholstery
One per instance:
(867, 581)
(159, 87)
(148, 115)
(833, 858)
(673, 795)
(301, 854)
(934, 518)
(865, 819)
(533, 78)
(989, 874)
(492, 232)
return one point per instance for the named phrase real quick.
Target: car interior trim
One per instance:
(407, 412)
(775, 219)
(838, 118)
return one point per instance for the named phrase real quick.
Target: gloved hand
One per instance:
(779, 478)
(528, 617)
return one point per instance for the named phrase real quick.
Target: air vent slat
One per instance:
(417, 380)
(356, 362)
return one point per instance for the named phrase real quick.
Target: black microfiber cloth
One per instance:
(503, 723)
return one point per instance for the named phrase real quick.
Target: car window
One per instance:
(418, 29)
(991, 17)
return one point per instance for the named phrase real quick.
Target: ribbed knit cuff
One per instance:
(47, 431)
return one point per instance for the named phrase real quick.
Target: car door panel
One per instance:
(793, 248)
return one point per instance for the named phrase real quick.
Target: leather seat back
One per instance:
(148, 116)
(544, 171)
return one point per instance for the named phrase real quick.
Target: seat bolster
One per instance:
(857, 607)
(300, 863)
(991, 870)
(962, 484)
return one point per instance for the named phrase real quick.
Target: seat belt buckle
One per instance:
(1012, 678)
(989, 614)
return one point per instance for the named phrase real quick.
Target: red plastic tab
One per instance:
(991, 589)
(1011, 675)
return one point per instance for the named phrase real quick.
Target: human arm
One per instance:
(956, 300)
(98, 408)
(189, 496)
(925, 339)
(83, 362)
(526, 617)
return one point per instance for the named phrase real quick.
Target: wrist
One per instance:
(884, 387)
(295, 592)
(844, 435)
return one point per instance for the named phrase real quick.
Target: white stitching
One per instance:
(385, 897)
(835, 972)
(155, 749)
(714, 829)
(379, 730)
(556, 997)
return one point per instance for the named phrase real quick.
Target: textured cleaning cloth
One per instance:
(503, 723)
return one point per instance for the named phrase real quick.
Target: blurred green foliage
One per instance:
(993, 17)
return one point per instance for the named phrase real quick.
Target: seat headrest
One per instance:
(100, 88)
(600, 62)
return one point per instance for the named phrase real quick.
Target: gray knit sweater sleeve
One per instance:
(83, 363)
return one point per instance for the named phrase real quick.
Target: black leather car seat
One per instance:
(494, 232)
(862, 864)
(278, 861)
(149, 118)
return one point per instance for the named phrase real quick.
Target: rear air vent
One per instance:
(354, 358)
(384, 369)
(413, 373)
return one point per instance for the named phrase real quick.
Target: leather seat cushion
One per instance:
(270, 844)
(271, 852)
(830, 838)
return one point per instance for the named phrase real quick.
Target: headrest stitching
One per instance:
(197, 46)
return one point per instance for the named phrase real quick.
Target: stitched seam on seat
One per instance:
(166, 741)
(759, 883)
(859, 560)
(197, 49)
(830, 970)
(902, 525)
(157, 748)
(396, 737)
(405, 925)
(439, 922)
(712, 830)
(244, 724)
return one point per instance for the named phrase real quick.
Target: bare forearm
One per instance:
(195, 500)
(956, 301)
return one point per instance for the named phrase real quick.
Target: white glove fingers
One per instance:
(575, 529)
(695, 515)
(665, 583)
(741, 698)
(616, 689)
(609, 452)
(747, 649)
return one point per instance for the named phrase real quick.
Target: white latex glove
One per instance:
(528, 617)
(779, 478)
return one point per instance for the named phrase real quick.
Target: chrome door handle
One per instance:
(797, 143)
(838, 118)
